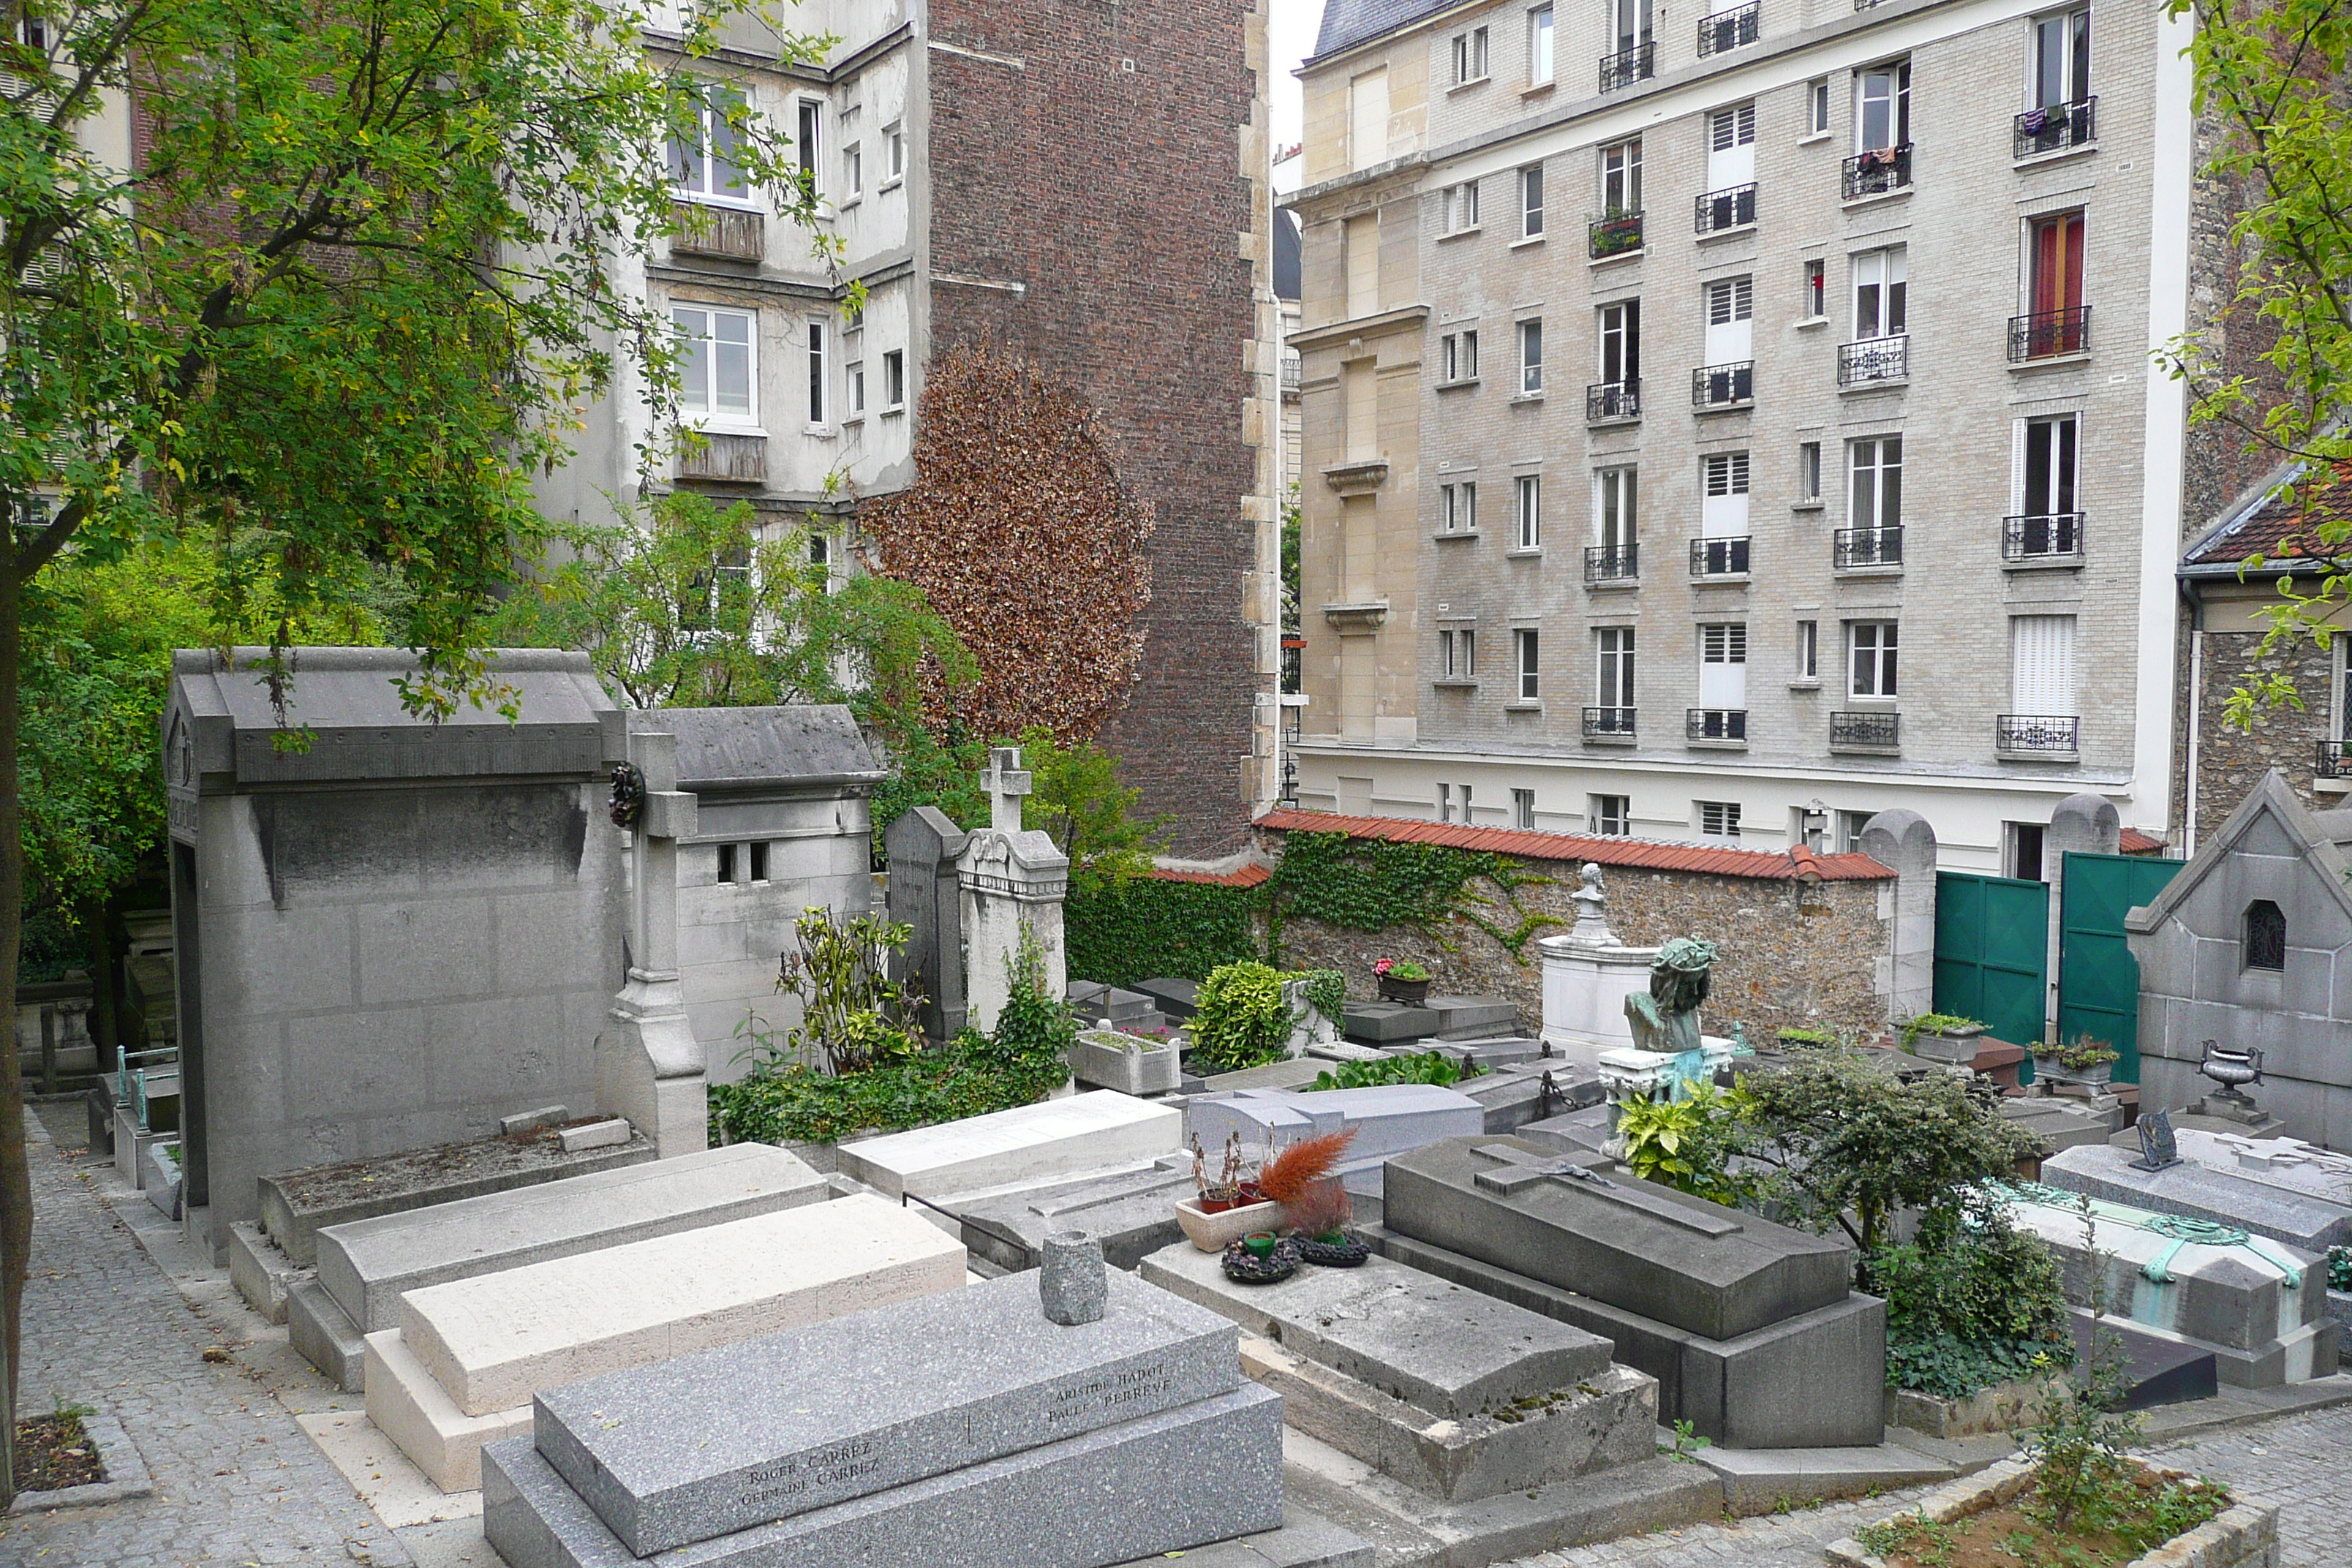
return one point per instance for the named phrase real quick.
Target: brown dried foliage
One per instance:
(1288, 1177)
(1022, 533)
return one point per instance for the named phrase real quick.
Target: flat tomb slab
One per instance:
(2300, 1220)
(1053, 1137)
(925, 1387)
(1716, 1272)
(1161, 1483)
(494, 1341)
(2280, 1162)
(1175, 998)
(1387, 1119)
(1131, 1213)
(1387, 1023)
(418, 1414)
(1433, 1344)
(368, 1265)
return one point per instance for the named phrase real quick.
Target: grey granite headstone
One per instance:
(923, 844)
(2202, 1193)
(1131, 1213)
(1174, 998)
(1070, 1283)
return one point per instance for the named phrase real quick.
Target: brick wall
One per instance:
(1114, 195)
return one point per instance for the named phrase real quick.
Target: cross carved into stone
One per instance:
(1007, 782)
(1521, 1170)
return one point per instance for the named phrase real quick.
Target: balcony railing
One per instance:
(2047, 332)
(1715, 724)
(2058, 126)
(1727, 209)
(1606, 401)
(1602, 723)
(1727, 30)
(1627, 67)
(2056, 537)
(1613, 563)
(1878, 172)
(729, 460)
(2054, 734)
(1851, 548)
(1723, 385)
(1614, 234)
(729, 233)
(2335, 760)
(1719, 557)
(1865, 732)
(1291, 369)
(1875, 359)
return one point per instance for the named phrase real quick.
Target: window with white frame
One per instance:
(704, 166)
(1880, 290)
(853, 172)
(894, 380)
(1457, 356)
(1723, 666)
(854, 379)
(2062, 58)
(1457, 506)
(1470, 56)
(894, 153)
(1621, 178)
(1539, 41)
(1531, 355)
(1530, 493)
(1817, 290)
(1444, 803)
(1460, 206)
(1608, 815)
(1882, 116)
(1529, 663)
(810, 143)
(1531, 202)
(817, 381)
(1875, 499)
(1718, 818)
(1523, 808)
(1817, 106)
(1457, 653)
(1809, 649)
(1621, 343)
(717, 354)
(1613, 668)
(1870, 669)
(1615, 510)
(1724, 474)
(1809, 471)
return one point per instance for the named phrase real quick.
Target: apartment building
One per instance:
(1735, 427)
(976, 175)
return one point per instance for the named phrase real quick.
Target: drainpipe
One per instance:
(2196, 713)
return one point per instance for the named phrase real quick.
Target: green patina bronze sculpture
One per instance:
(1666, 1020)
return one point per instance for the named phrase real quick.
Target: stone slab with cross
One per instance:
(1012, 880)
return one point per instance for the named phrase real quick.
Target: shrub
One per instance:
(1425, 1066)
(852, 1013)
(1242, 1020)
(1970, 1302)
(1686, 1144)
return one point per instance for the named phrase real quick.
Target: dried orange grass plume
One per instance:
(1286, 1177)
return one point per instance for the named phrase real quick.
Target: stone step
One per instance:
(368, 1265)
(1159, 1484)
(982, 1372)
(1031, 1142)
(1763, 1480)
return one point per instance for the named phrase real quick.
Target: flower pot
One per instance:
(1411, 992)
(1212, 1232)
(1260, 1243)
(1214, 1205)
(2102, 1073)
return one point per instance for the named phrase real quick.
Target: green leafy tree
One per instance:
(359, 284)
(1076, 799)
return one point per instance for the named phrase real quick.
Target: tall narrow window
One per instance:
(2050, 521)
(1621, 178)
(1470, 56)
(1633, 22)
(1445, 665)
(1530, 487)
(1876, 496)
(894, 152)
(1723, 679)
(853, 173)
(1817, 107)
(1872, 647)
(1881, 294)
(1615, 514)
(816, 375)
(1621, 343)
(1531, 201)
(1444, 803)
(1809, 650)
(1809, 471)
(2265, 942)
(704, 164)
(809, 144)
(1468, 639)
(1461, 206)
(2042, 667)
(2057, 323)
(1613, 648)
(1523, 808)
(715, 378)
(894, 380)
(1539, 39)
(1817, 291)
(2061, 58)
(1882, 107)
(1531, 356)
(1730, 334)
(1530, 664)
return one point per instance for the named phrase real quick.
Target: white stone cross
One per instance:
(1006, 784)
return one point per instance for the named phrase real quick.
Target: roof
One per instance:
(750, 748)
(1247, 877)
(1636, 854)
(1347, 23)
(2135, 842)
(2271, 822)
(2274, 525)
(1286, 254)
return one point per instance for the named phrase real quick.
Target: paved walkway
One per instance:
(236, 1481)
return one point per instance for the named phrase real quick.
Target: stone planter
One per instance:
(1105, 1058)
(2049, 1067)
(1411, 992)
(2003, 1408)
(1949, 1045)
(1213, 1232)
(2244, 1535)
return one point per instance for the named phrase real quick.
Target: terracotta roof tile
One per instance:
(1639, 854)
(1247, 877)
(2135, 842)
(2278, 530)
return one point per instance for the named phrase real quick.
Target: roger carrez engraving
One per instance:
(826, 1467)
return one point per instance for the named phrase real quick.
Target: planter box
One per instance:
(1411, 992)
(2050, 1067)
(2003, 1408)
(1105, 1058)
(1948, 1044)
(1214, 1232)
(2244, 1535)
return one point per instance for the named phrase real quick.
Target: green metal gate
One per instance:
(2098, 979)
(1992, 939)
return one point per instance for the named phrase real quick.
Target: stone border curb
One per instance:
(126, 1472)
(2244, 1535)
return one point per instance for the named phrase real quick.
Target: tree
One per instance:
(359, 284)
(2273, 73)
(1076, 799)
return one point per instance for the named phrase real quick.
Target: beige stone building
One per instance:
(1735, 426)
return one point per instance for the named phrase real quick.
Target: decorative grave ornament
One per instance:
(2233, 1070)
(628, 801)
(2158, 1149)
(1071, 1284)
(1592, 909)
(1666, 1020)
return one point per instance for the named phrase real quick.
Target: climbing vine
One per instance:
(1150, 928)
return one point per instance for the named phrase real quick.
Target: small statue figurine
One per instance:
(1591, 910)
(1666, 1020)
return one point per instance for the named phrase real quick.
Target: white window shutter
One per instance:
(2017, 467)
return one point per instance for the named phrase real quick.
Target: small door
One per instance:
(1731, 321)
(1723, 511)
(1723, 666)
(1731, 147)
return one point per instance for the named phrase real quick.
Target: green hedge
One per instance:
(1153, 929)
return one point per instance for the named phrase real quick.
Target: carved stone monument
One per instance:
(923, 845)
(1012, 880)
(1589, 975)
(649, 1067)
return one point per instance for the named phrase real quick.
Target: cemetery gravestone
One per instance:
(924, 846)
(1026, 1144)
(2201, 1192)
(1387, 1119)
(1012, 880)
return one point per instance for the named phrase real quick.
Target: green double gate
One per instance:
(2098, 979)
(1992, 943)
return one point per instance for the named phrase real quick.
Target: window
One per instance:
(1457, 506)
(1617, 494)
(1466, 641)
(1444, 803)
(811, 123)
(1718, 818)
(1531, 356)
(1882, 107)
(1531, 488)
(1539, 45)
(1808, 648)
(1730, 299)
(820, 549)
(2055, 277)
(1608, 815)
(1621, 343)
(854, 375)
(1809, 471)
(2025, 859)
(1615, 664)
(853, 173)
(1524, 640)
(1464, 790)
(1523, 808)
(1470, 56)
(1461, 206)
(2265, 942)
(1850, 826)
(2048, 467)
(2061, 58)
(1817, 291)
(715, 372)
(1531, 222)
(706, 166)
(1817, 107)
(1872, 644)
(1731, 127)
(894, 153)
(726, 863)
(1445, 665)
(1367, 119)
(2041, 669)
(1621, 178)
(1880, 290)
(1875, 499)
(1457, 356)
(816, 380)
(1725, 473)
(1457, 654)
(1723, 671)
(894, 380)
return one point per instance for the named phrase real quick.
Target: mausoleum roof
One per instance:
(744, 748)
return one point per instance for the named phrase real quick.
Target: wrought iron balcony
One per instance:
(1875, 359)
(1865, 732)
(1726, 208)
(2056, 127)
(1627, 67)
(1290, 371)
(1851, 548)
(1878, 172)
(1719, 557)
(2055, 537)
(1727, 30)
(2335, 760)
(2047, 332)
(2037, 733)
(1614, 234)
(1613, 563)
(1723, 385)
(1608, 724)
(1715, 724)
(1606, 401)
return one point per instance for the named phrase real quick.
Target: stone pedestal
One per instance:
(649, 1066)
(1585, 984)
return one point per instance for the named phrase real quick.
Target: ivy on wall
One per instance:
(1150, 929)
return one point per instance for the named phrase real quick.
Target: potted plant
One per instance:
(1941, 1036)
(1402, 980)
(2085, 1059)
(1230, 1208)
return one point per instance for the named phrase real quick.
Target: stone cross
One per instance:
(649, 1066)
(1522, 1169)
(1007, 782)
